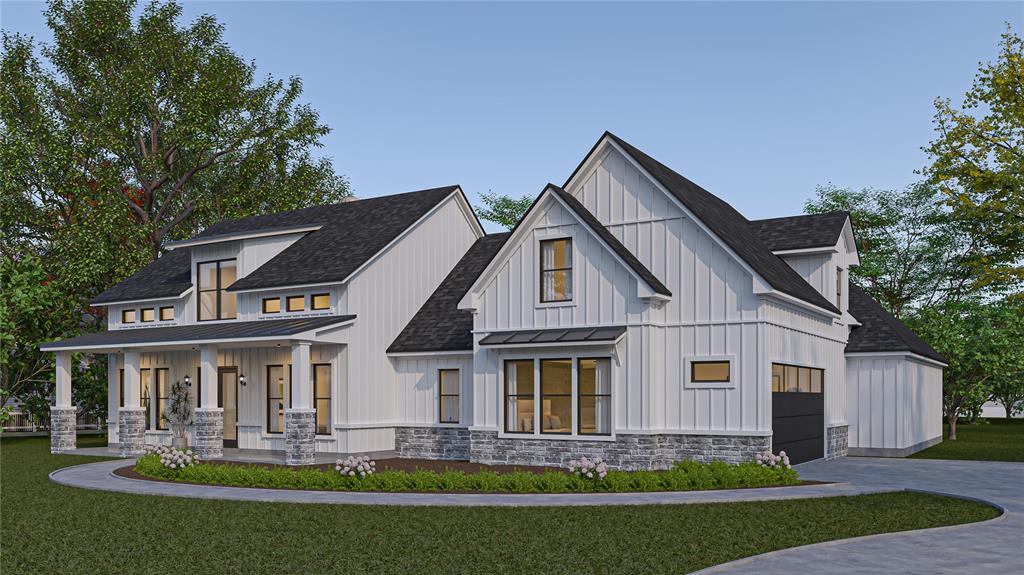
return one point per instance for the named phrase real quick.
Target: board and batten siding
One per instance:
(384, 296)
(417, 383)
(895, 402)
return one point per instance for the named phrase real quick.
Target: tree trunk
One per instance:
(952, 427)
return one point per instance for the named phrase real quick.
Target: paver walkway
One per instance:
(988, 547)
(100, 476)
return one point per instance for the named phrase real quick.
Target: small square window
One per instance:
(167, 313)
(272, 305)
(296, 303)
(321, 301)
(148, 314)
(128, 316)
(709, 371)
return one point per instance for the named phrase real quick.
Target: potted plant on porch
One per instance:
(179, 414)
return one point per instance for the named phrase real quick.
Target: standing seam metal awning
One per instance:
(566, 336)
(198, 332)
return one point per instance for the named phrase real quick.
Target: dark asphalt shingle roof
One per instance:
(440, 325)
(800, 232)
(729, 225)
(880, 331)
(200, 332)
(351, 233)
(553, 336)
(169, 276)
(602, 232)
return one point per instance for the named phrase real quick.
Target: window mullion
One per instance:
(575, 394)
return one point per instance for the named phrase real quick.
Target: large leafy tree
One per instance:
(978, 164)
(503, 210)
(911, 250)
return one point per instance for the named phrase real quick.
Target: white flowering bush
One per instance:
(355, 466)
(588, 468)
(780, 461)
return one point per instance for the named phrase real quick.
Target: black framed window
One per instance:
(710, 371)
(213, 279)
(839, 288)
(295, 303)
(519, 399)
(322, 397)
(146, 380)
(797, 379)
(279, 378)
(320, 301)
(594, 393)
(448, 395)
(556, 396)
(163, 394)
(272, 305)
(120, 383)
(127, 316)
(556, 270)
(148, 314)
(167, 313)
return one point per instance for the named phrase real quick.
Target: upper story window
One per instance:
(320, 301)
(839, 288)
(127, 316)
(296, 303)
(167, 313)
(272, 305)
(556, 270)
(215, 302)
(148, 314)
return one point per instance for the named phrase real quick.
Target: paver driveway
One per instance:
(991, 547)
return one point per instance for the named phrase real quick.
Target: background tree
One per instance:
(503, 210)
(978, 165)
(1007, 387)
(911, 250)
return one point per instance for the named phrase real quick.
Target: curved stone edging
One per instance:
(100, 476)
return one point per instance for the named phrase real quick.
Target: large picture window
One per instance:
(163, 394)
(594, 379)
(448, 380)
(278, 381)
(519, 398)
(556, 270)
(556, 395)
(796, 379)
(214, 301)
(322, 397)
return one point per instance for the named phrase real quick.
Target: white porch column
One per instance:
(300, 418)
(131, 419)
(209, 420)
(113, 395)
(62, 414)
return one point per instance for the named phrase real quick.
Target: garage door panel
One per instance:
(798, 425)
(801, 450)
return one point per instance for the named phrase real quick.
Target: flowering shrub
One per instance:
(780, 461)
(594, 468)
(355, 466)
(171, 458)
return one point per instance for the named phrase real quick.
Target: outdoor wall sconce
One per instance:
(188, 381)
(241, 380)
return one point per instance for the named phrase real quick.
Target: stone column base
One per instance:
(131, 431)
(838, 441)
(299, 436)
(209, 430)
(62, 429)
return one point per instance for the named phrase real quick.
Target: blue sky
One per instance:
(758, 103)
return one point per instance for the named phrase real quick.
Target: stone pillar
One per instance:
(62, 413)
(209, 420)
(131, 419)
(300, 418)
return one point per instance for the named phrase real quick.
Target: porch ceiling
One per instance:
(265, 331)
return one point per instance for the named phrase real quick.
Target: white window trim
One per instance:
(574, 356)
(544, 237)
(687, 372)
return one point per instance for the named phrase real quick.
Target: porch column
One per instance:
(300, 418)
(131, 419)
(209, 422)
(62, 414)
(113, 395)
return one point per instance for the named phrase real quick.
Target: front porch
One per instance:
(266, 393)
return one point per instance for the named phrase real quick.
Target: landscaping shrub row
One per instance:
(685, 476)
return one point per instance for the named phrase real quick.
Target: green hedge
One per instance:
(685, 476)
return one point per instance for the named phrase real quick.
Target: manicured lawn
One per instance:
(48, 528)
(997, 440)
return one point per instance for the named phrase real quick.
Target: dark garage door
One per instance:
(798, 412)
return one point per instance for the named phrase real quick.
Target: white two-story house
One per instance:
(630, 315)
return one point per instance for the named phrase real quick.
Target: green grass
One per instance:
(48, 528)
(996, 440)
(685, 476)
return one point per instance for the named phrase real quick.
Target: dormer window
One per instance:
(556, 270)
(148, 314)
(127, 316)
(320, 301)
(214, 301)
(295, 303)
